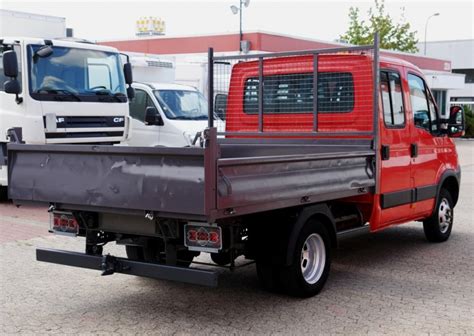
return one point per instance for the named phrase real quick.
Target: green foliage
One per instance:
(469, 121)
(392, 36)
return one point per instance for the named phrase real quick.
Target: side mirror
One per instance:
(12, 86)
(10, 64)
(456, 124)
(152, 117)
(127, 71)
(43, 52)
(220, 104)
(130, 92)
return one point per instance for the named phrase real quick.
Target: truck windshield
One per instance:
(182, 104)
(76, 74)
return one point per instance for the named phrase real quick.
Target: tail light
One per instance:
(64, 223)
(204, 238)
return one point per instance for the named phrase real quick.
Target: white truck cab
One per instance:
(60, 91)
(168, 115)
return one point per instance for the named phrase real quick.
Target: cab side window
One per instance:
(424, 111)
(392, 99)
(139, 104)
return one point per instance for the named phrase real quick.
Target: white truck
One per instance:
(60, 91)
(165, 112)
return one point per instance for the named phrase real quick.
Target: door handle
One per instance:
(385, 152)
(414, 150)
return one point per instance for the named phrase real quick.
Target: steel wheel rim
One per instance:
(445, 215)
(313, 258)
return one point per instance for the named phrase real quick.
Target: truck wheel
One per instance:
(154, 251)
(134, 252)
(438, 227)
(309, 270)
(221, 258)
(3, 194)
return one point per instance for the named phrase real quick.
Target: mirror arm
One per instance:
(18, 99)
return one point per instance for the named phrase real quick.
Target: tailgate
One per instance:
(169, 180)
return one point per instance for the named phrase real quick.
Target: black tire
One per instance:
(134, 252)
(154, 251)
(438, 227)
(290, 279)
(185, 258)
(3, 194)
(221, 259)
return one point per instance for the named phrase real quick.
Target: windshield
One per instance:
(182, 104)
(75, 74)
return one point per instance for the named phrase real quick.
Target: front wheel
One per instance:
(438, 227)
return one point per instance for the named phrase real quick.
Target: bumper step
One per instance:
(126, 266)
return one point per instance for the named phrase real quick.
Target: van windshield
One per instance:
(75, 74)
(182, 104)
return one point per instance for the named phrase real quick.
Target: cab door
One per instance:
(142, 134)
(426, 145)
(395, 182)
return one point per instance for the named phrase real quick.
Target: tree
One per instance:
(392, 36)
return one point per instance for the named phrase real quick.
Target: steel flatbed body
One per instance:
(227, 178)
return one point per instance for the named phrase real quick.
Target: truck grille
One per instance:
(61, 135)
(88, 122)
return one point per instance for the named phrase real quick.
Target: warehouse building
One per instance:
(437, 70)
(461, 55)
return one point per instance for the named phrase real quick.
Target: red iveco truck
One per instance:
(316, 145)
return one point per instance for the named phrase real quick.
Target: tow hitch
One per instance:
(109, 264)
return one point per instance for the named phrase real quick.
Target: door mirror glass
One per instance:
(10, 64)
(130, 92)
(152, 117)
(127, 71)
(12, 86)
(220, 104)
(456, 125)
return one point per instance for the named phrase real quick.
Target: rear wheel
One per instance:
(3, 194)
(221, 258)
(134, 252)
(438, 227)
(154, 251)
(309, 268)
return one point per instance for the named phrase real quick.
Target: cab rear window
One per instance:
(293, 93)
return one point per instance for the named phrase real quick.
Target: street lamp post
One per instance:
(236, 10)
(426, 27)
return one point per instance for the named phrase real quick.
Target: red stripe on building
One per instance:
(258, 42)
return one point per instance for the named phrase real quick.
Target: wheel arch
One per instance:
(317, 211)
(450, 180)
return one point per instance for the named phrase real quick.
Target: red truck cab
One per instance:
(418, 159)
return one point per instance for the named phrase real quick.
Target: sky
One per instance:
(322, 20)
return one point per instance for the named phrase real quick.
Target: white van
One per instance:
(168, 115)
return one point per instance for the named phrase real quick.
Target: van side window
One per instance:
(424, 112)
(139, 104)
(392, 99)
(293, 93)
